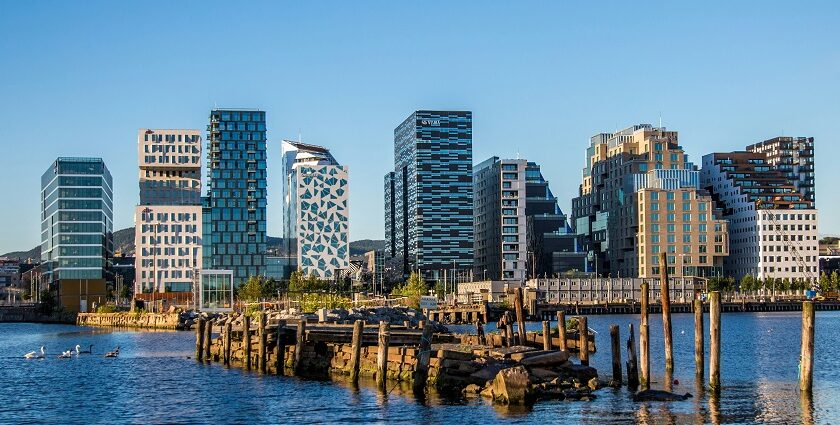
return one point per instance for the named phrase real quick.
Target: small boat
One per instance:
(34, 355)
(114, 353)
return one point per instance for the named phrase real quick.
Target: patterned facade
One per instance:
(431, 204)
(315, 209)
(76, 219)
(168, 221)
(234, 214)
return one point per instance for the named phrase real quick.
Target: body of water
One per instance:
(154, 381)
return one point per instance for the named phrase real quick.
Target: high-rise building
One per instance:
(793, 156)
(430, 209)
(553, 246)
(641, 196)
(234, 209)
(767, 196)
(499, 219)
(315, 209)
(76, 219)
(168, 221)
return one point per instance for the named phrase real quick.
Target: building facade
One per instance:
(640, 196)
(613, 290)
(794, 157)
(168, 220)
(430, 209)
(499, 219)
(773, 222)
(315, 209)
(76, 219)
(234, 214)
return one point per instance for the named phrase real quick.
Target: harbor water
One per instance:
(154, 380)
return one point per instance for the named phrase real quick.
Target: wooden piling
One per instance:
(356, 350)
(246, 340)
(520, 316)
(228, 332)
(382, 353)
(208, 339)
(511, 340)
(407, 324)
(714, 342)
(806, 356)
(280, 359)
(665, 294)
(561, 329)
(546, 335)
(479, 330)
(199, 339)
(424, 355)
(615, 339)
(699, 349)
(583, 341)
(632, 361)
(644, 342)
(262, 347)
(299, 344)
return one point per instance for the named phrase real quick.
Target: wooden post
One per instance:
(644, 343)
(262, 344)
(407, 324)
(228, 332)
(509, 332)
(299, 344)
(281, 348)
(699, 349)
(615, 339)
(208, 340)
(561, 329)
(356, 349)
(806, 357)
(665, 294)
(479, 330)
(520, 316)
(199, 339)
(246, 340)
(424, 355)
(632, 361)
(583, 341)
(382, 354)
(546, 335)
(714, 342)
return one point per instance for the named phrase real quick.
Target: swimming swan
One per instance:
(89, 350)
(66, 354)
(114, 353)
(33, 355)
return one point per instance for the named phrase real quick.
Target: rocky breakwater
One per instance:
(176, 320)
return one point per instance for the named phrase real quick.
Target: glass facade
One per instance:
(216, 290)
(236, 193)
(431, 204)
(76, 219)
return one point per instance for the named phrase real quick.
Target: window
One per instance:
(509, 167)
(686, 196)
(686, 217)
(670, 196)
(654, 196)
(654, 207)
(671, 206)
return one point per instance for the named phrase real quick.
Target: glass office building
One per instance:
(76, 219)
(234, 214)
(429, 212)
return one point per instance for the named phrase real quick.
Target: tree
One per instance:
(47, 302)
(257, 288)
(299, 282)
(748, 282)
(413, 289)
(835, 280)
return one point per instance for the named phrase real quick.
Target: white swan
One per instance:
(88, 351)
(66, 354)
(33, 355)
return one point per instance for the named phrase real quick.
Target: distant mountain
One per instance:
(124, 243)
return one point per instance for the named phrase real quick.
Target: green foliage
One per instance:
(835, 280)
(48, 303)
(723, 283)
(257, 288)
(748, 282)
(106, 308)
(299, 282)
(439, 289)
(413, 289)
(310, 302)
(126, 291)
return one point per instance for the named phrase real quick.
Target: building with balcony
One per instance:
(429, 195)
(315, 209)
(234, 213)
(168, 220)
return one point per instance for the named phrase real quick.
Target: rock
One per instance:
(581, 372)
(487, 392)
(519, 356)
(657, 395)
(472, 389)
(543, 374)
(512, 386)
(593, 384)
(554, 358)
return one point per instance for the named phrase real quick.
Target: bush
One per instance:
(106, 308)
(413, 289)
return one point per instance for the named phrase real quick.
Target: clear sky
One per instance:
(79, 79)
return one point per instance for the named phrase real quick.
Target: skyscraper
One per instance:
(430, 209)
(793, 156)
(641, 196)
(315, 209)
(168, 221)
(76, 219)
(234, 214)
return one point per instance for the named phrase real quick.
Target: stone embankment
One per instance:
(174, 321)
(32, 314)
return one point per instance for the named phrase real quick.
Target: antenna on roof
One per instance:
(660, 120)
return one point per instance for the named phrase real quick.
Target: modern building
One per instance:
(234, 214)
(500, 224)
(769, 205)
(794, 157)
(280, 267)
(315, 209)
(168, 221)
(375, 265)
(612, 290)
(429, 195)
(641, 196)
(77, 229)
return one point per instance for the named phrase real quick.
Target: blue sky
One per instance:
(79, 79)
